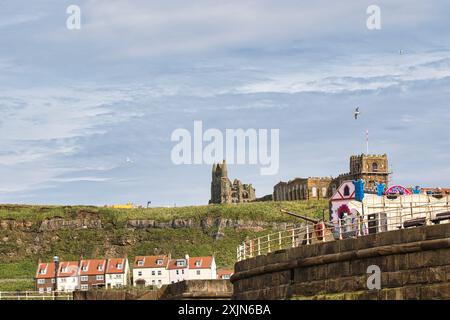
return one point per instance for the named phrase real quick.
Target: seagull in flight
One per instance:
(356, 113)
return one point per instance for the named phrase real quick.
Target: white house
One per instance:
(68, 276)
(151, 270)
(178, 269)
(117, 273)
(202, 268)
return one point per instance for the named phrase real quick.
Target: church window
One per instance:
(374, 167)
(346, 191)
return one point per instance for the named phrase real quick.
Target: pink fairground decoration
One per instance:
(398, 190)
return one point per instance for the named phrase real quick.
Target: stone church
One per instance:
(372, 169)
(225, 191)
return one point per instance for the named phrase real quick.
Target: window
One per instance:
(42, 271)
(314, 192)
(62, 280)
(374, 167)
(84, 287)
(198, 272)
(198, 263)
(139, 273)
(41, 281)
(100, 267)
(153, 281)
(41, 290)
(182, 271)
(49, 289)
(153, 273)
(118, 276)
(159, 273)
(84, 278)
(159, 281)
(159, 262)
(140, 263)
(84, 268)
(178, 271)
(324, 192)
(119, 266)
(63, 269)
(53, 280)
(226, 276)
(346, 191)
(100, 277)
(181, 263)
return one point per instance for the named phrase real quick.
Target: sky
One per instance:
(86, 116)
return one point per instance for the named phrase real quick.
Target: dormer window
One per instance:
(100, 267)
(42, 271)
(181, 263)
(63, 269)
(159, 262)
(84, 268)
(140, 263)
(119, 266)
(198, 263)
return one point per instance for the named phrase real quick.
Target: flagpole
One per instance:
(367, 141)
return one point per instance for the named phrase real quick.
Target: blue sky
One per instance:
(76, 104)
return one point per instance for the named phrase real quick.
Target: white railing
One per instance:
(347, 227)
(35, 295)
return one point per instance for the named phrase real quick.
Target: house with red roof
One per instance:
(68, 278)
(117, 273)
(224, 274)
(45, 277)
(202, 268)
(178, 269)
(92, 274)
(151, 270)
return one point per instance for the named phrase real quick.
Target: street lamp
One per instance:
(56, 261)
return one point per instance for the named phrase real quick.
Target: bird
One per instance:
(356, 113)
(401, 51)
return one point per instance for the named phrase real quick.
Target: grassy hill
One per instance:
(29, 233)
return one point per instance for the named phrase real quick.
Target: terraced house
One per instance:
(68, 278)
(161, 270)
(45, 277)
(117, 273)
(151, 270)
(92, 274)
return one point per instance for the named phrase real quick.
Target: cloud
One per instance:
(19, 19)
(357, 73)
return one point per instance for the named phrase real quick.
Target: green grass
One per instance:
(17, 285)
(266, 211)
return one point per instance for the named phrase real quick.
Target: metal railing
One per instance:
(347, 227)
(35, 295)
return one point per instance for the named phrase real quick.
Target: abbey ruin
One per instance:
(225, 191)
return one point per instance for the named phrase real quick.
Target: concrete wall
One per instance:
(414, 263)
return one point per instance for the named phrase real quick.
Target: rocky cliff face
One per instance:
(59, 223)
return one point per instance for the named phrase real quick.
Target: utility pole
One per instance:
(56, 261)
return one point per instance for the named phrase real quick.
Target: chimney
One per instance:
(186, 256)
